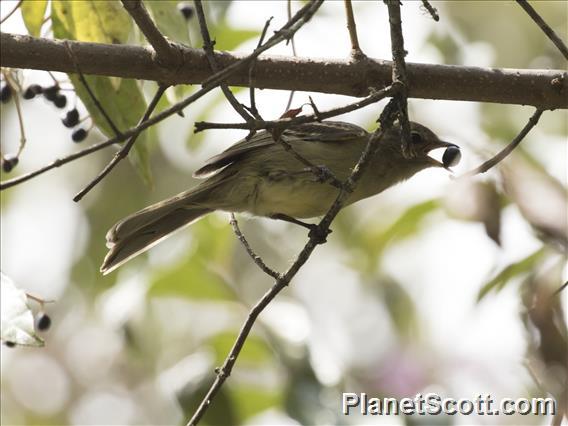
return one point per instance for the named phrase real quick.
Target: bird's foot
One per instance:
(319, 234)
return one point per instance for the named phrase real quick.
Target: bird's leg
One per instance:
(315, 230)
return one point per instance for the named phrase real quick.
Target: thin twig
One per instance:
(294, 54)
(208, 48)
(123, 152)
(508, 149)
(10, 82)
(303, 15)
(399, 78)
(12, 11)
(94, 99)
(544, 27)
(431, 10)
(303, 119)
(356, 51)
(166, 53)
(315, 239)
(253, 108)
(255, 257)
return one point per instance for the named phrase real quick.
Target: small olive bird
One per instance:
(262, 177)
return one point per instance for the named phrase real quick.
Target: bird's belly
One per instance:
(301, 199)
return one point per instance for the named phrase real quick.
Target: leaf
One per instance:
(521, 267)
(33, 12)
(122, 99)
(17, 318)
(169, 20)
(254, 352)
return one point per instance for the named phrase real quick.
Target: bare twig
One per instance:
(356, 51)
(315, 239)
(123, 152)
(301, 16)
(342, 77)
(508, 149)
(316, 116)
(399, 78)
(16, 7)
(253, 109)
(294, 54)
(544, 27)
(255, 257)
(10, 81)
(431, 10)
(166, 53)
(98, 105)
(208, 48)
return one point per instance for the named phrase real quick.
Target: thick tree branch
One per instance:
(545, 89)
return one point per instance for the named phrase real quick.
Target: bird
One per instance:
(264, 176)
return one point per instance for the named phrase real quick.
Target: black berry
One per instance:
(32, 91)
(71, 118)
(42, 321)
(79, 135)
(5, 93)
(9, 344)
(60, 100)
(51, 92)
(186, 10)
(451, 157)
(8, 163)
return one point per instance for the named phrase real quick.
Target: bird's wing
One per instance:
(326, 131)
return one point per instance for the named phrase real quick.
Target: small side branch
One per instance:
(431, 10)
(208, 48)
(508, 149)
(544, 27)
(166, 54)
(399, 78)
(255, 257)
(356, 51)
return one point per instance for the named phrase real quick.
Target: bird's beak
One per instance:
(451, 156)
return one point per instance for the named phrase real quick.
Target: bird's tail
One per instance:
(142, 230)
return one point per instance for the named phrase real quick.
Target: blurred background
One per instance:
(436, 285)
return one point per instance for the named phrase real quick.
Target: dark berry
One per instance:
(9, 344)
(8, 163)
(5, 93)
(42, 321)
(60, 100)
(51, 92)
(71, 118)
(452, 156)
(186, 10)
(32, 91)
(79, 135)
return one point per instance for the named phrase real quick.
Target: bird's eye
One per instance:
(416, 138)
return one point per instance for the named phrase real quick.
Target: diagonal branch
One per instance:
(544, 27)
(123, 152)
(166, 54)
(545, 89)
(208, 48)
(493, 161)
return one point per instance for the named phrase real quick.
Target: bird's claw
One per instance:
(319, 234)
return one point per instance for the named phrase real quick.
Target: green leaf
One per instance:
(228, 38)
(169, 20)
(251, 400)
(17, 318)
(254, 353)
(123, 101)
(521, 267)
(33, 12)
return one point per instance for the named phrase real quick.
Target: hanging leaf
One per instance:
(122, 99)
(33, 12)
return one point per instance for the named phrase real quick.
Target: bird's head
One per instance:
(422, 142)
